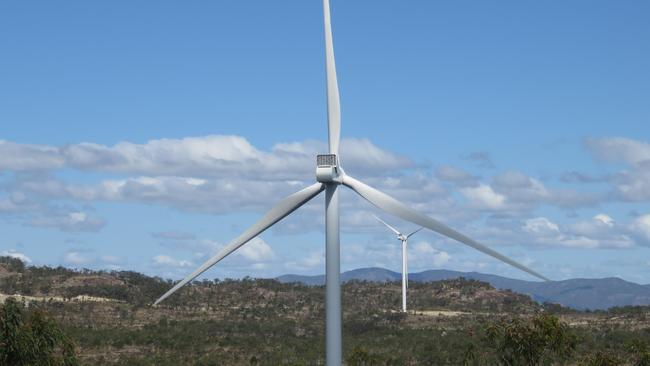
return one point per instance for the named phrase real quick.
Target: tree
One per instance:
(601, 358)
(32, 338)
(531, 342)
(640, 353)
(13, 264)
(360, 356)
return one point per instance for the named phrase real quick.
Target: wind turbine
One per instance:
(405, 264)
(330, 175)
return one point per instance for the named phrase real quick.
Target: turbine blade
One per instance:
(388, 226)
(392, 206)
(333, 99)
(413, 233)
(277, 213)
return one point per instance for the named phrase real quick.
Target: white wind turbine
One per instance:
(405, 263)
(330, 176)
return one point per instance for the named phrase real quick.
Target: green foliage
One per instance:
(360, 356)
(537, 341)
(12, 264)
(602, 358)
(267, 323)
(640, 352)
(32, 338)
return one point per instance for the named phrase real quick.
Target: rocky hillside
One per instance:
(579, 293)
(267, 322)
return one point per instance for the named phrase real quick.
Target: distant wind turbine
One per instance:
(330, 176)
(405, 263)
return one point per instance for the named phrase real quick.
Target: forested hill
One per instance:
(136, 288)
(109, 316)
(578, 293)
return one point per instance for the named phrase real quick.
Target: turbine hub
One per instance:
(327, 170)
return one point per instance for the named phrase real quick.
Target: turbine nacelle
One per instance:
(327, 169)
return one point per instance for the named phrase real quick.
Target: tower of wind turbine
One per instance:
(405, 264)
(330, 176)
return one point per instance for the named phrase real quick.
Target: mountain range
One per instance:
(577, 293)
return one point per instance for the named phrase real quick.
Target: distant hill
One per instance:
(579, 293)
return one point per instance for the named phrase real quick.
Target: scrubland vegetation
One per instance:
(105, 318)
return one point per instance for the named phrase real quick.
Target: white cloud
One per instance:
(18, 255)
(426, 255)
(222, 174)
(310, 262)
(256, 250)
(76, 258)
(632, 184)
(455, 175)
(484, 197)
(641, 226)
(515, 193)
(520, 188)
(162, 260)
(605, 219)
(440, 259)
(18, 157)
(75, 221)
(203, 156)
(541, 226)
(599, 232)
(613, 149)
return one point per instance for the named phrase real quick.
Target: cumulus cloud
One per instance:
(221, 174)
(76, 221)
(619, 149)
(20, 157)
(484, 197)
(426, 253)
(184, 193)
(541, 226)
(641, 227)
(162, 260)
(191, 156)
(312, 261)
(207, 174)
(515, 193)
(601, 231)
(76, 258)
(256, 250)
(88, 258)
(191, 194)
(455, 175)
(18, 255)
(204, 156)
(633, 183)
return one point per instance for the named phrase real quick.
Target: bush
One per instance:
(360, 356)
(32, 338)
(601, 358)
(540, 340)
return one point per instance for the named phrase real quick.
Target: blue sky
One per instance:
(147, 135)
